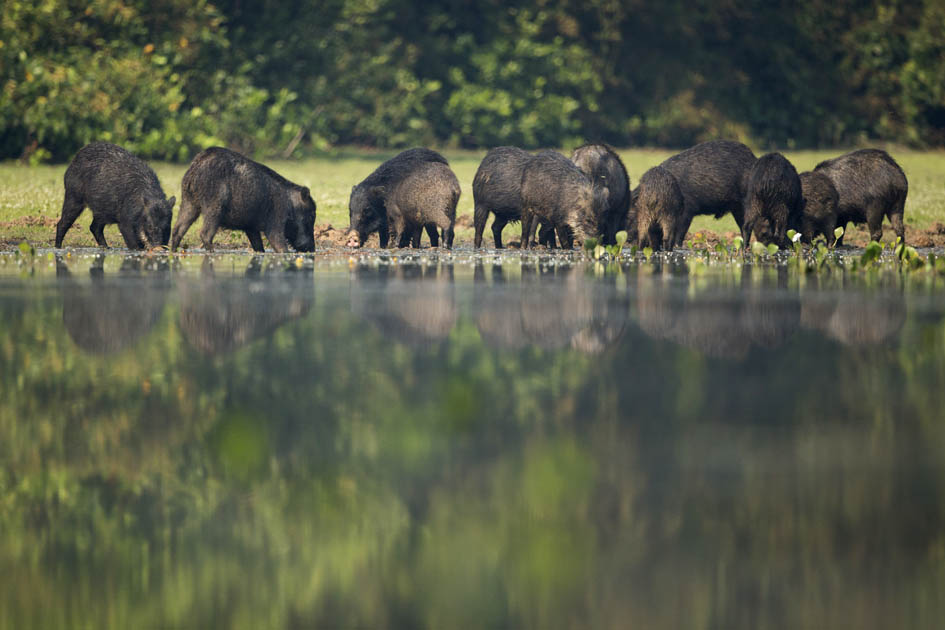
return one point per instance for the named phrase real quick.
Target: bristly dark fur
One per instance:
(773, 201)
(820, 207)
(367, 212)
(497, 188)
(558, 192)
(871, 186)
(606, 170)
(403, 162)
(659, 209)
(713, 177)
(234, 192)
(427, 196)
(119, 188)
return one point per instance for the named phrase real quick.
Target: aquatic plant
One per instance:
(26, 249)
(596, 250)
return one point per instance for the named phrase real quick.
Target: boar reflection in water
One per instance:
(771, 312)
(412, 304)
(550, 309)
(853, 319)
(722, 319)
(112, 312)
(218, 315)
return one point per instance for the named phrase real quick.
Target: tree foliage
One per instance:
(169, 78)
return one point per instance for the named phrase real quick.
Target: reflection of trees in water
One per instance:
(220, 314)
(853, 318)
(550, 308)
(409, 303)
(717, 314)
(617, 508)
(112, 312)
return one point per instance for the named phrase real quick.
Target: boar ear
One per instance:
(171, 202)
(377, 191)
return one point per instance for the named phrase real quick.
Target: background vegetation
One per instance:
(168, 78)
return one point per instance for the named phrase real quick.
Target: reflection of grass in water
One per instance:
(37, 192)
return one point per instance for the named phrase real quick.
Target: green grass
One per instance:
(31, 197)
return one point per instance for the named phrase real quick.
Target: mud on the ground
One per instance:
(858, 236)
(29, 221)
(328, 236)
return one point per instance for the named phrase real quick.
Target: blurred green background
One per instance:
(166, 79)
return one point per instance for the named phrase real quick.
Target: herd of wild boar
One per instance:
(566, 200)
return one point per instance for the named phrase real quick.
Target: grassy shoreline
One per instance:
(31, 197)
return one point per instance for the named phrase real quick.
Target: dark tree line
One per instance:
(168, 78)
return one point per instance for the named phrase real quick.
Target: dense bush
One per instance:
(169, 78)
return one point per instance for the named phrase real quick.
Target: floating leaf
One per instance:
(739, 242)
(647, 251)
(772, 249)
(590, 244)
(838, 232)
(871, 254)
(912, 257)
(598, 252)
(757, 249)
(793, 235)
(621, 238)
(26, 249)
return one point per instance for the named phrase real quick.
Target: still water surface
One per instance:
(274, 442)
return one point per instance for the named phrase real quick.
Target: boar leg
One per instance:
(132, 239)
(277, 240)
(874, 220)
(480, 215)
(433, 234)
(98, 231)
(896, 219)
(188, 214)
(211, 223)
(565, 237)
(528, 228)
(71, 209)
(255, 240)
(498, 223)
